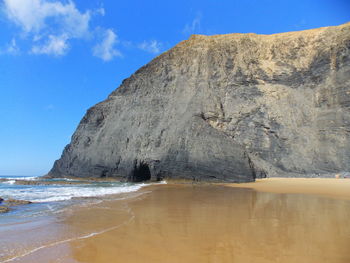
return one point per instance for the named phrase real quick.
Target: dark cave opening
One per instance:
(142, 173)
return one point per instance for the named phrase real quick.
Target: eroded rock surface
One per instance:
(5, 205)
(15, 202)
(4, 209)
(226, 108)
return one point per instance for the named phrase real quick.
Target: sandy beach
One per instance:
(329, 187)
(211, 223)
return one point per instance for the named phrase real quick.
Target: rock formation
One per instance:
(15, 202)
(4, 209)
(5, 205)
(225, 108)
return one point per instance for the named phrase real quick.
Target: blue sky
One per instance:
(60, 57)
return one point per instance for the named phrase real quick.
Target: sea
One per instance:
(51, 198)
(122, 222)
(49, 204)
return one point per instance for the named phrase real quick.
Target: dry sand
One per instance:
(330, 187)
(201, 223)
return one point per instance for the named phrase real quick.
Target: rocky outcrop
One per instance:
(15, 202)
(7, 204)
(4, 209)
(226, 108)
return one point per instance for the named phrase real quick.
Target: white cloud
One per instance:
(152, 46)
(55, 45)
(34, 16)
(11, 48)
(100, 11)
(194, 26)
(106, 49)
(49, 24)
(25, 13)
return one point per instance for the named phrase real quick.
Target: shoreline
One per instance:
(203, 222)
(210, 223)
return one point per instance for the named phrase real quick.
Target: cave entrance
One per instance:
(142, 173)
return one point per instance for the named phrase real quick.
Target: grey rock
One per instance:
(224, 108)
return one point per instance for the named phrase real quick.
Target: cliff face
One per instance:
(227, 108)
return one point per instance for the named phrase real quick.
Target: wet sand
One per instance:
(206, 223)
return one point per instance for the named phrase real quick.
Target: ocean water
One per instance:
(51, 198)
(26, 227)
(54, 193)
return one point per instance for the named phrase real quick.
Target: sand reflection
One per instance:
(221, 224)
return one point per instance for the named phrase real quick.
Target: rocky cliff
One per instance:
(225, 108)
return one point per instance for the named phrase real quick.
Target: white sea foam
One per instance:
(62, 193)
(9, 182)
(27, 178)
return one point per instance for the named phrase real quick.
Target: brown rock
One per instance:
(4, 209)
(14, 202)
(37, 182)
